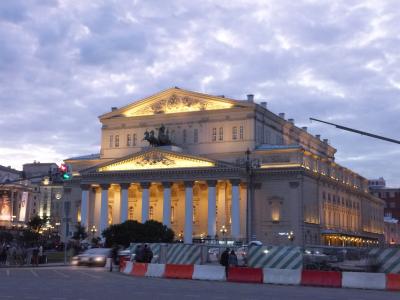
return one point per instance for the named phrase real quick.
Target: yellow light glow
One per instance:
(157, 160)
(176, 104)
(278, 165)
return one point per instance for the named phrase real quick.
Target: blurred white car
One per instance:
(92, 257)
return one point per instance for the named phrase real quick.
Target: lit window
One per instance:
(134, 139)
(116, 141)
(221, 134)
(130, 213)
(111, 141)
(151, 213)
(128, 140)
(195, 135)
(214, 134)
(172, 214)
(194, 214)
(234, 133)
(241, 132)
(184, 135)
(275, 211)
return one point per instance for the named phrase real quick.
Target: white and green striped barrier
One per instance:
(183, 254)
(275, 257)
(387, 259)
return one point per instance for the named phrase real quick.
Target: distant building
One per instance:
(390, 195)
(15, 194)
(392, 230)
(287, 189)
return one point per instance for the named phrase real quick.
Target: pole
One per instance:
(67, 206)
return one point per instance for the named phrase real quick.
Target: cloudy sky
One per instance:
(63, 63)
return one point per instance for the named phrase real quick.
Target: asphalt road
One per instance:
(78, 283)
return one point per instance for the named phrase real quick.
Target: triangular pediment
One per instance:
(156, 159)
(175, 100)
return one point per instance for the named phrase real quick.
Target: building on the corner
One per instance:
(15, 194)
(287, 189)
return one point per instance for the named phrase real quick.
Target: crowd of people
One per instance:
(16, 255)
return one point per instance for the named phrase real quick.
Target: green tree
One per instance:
(6, 237)
(135, 232)
(80, 232)
(36, 223)
(29, 237)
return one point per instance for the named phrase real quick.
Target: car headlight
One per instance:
(99, 258)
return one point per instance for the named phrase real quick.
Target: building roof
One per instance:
(85, 157)
(9, 169)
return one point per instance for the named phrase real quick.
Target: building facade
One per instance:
(233, 170)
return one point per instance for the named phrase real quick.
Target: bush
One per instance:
(135, 232)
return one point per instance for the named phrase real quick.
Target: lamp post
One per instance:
(223, 230)
(93, 230)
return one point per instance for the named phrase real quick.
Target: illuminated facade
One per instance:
(204, 184)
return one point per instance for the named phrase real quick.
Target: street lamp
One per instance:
(223, 230)
(250, 164)
(93, 230)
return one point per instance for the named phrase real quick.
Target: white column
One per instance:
(221, 204)
(124, 202)
(85, 206)
(167, 204)
(104, 207)
(145, 200)
(188, 230)
(212, 202)
(235, 213)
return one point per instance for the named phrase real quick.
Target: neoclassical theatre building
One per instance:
(209, 166)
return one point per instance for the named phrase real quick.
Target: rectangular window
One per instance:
(214, 134)
(116, 141)
(111, 141)
(234, 133)
(128, 140)
(134, 141)
(241, 132)
(184, 136)
(195, 135)
(221, 134)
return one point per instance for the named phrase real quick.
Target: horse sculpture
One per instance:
(161, 140)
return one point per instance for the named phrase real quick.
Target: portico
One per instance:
(195, 208)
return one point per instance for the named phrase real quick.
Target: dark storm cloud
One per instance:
(63, 63)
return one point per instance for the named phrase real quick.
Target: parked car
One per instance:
(92, 257)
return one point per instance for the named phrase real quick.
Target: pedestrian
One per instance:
(232, 260)
(148, 254)
(138, 253)
(35, 256)
(114, 256)
(224, 260)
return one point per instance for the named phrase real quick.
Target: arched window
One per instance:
(116, 141)
(221, 134)
(234, 133)
(214, 134)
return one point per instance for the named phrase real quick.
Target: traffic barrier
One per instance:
(393, 282)
(374, 281)
(388, 260)
(183, 254)
(127, 268)
(321, 278)
(204, 272)
(139, 269)
(155, 270)
(239, 274)
(122, 264)
(178, 271)
(282, 276)
(277, 257)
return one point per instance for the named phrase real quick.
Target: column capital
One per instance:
(167, 184)
(234, 181)
(145, 185)
(105, 186)
(211, 183)
(125, 185)
(188, 184)
(85, 187)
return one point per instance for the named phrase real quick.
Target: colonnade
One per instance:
(166, 206)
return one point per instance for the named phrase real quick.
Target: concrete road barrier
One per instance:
(139, 269)
(321, 278)
(282, 276)
(374, 281)
(238, 274)
(179, 271)
(204, 272)
(127, 268)
(155, 270)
